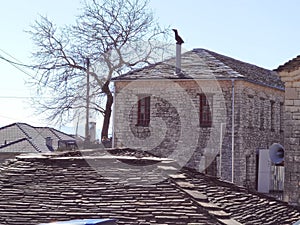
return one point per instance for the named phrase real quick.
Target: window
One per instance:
(251, 113)
(205, 110)
(262, 114)
(281, 116)
(143, 111)
(272, 116)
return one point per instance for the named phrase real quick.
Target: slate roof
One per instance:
(290, 66)
(42, 188)
(22, 137)
(204, 64)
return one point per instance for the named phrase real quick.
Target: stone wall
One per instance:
(259, 125)
(292, 136)
(175, 124)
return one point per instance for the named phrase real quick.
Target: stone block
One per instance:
(297, 102)
(295, 117)
(294, 141)
(296, 133)
(296, 158)
(289, 102)
(291, 93)
(296, 84)
(292, 109)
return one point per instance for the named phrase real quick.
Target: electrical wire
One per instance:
(6, 53)
(22, 97)
(15, 64)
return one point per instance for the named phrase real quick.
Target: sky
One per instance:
(261, 32)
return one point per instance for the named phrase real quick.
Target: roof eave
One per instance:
(205, 79)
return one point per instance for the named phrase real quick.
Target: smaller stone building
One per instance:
(215, 115)
(290, 75)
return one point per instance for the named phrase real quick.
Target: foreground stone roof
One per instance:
(204, 64)
(95, 184)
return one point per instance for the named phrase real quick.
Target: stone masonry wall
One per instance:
(292, 136)
(174, 124)
(259, 125)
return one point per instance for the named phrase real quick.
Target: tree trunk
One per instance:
(108, 110)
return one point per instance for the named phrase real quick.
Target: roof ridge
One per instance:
(224, 64)
(289, 66)
(18, 141)
(229, 57)
(13, 142)
(55, 131)
(18, 125)
(139, 69)
(221, 66)
(55, 134)
(28, 137)
(215, 187)
(9, 125)
(249, 71)
(202, 201)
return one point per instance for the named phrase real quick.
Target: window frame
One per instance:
(205, 110)
(262, 113)
(251, 108)
(281, 116)
(143, 111)
(273, 114)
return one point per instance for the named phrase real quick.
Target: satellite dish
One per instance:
(276, 152)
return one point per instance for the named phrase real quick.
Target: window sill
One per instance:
(141, 125)
(205, 126)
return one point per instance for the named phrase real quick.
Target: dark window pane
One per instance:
(205, 111)
(144, 111)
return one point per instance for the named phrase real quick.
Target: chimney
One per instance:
(49, 143)
(178, 59)
(179, 41)
(92, 131)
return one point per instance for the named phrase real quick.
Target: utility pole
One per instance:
(87, 133)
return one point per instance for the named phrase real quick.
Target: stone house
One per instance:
(290, 75)
(214, 115)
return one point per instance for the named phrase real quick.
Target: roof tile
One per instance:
(22, 137)
(290, 66)
(61, 188)
(204, 64)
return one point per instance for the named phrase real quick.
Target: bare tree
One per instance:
(110, 37)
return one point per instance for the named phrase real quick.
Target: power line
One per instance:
(22, 97)
(10, 55)
(16, 64)
(9, 97)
